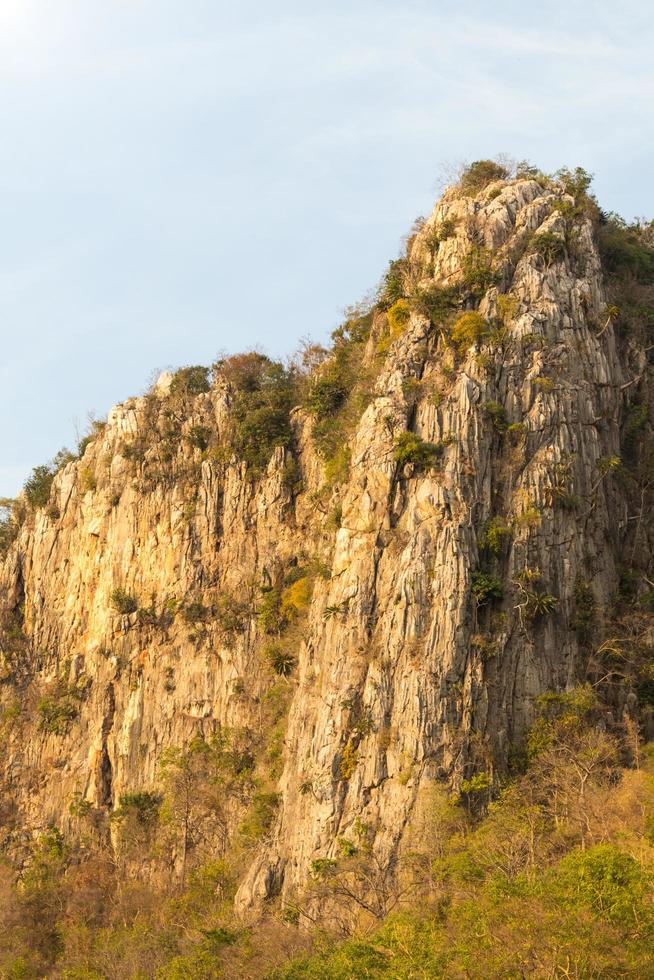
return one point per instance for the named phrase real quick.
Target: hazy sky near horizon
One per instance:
(184, 177)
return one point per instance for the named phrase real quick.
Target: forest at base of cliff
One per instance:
(554, 878)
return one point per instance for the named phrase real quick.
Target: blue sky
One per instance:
(181, 177)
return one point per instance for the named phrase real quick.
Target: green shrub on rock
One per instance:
(123, 602)
(59, 707)
(340, 390)
(486, 587)
(446, 229)
(38, 486)
(469, 328)
(498, 416)
(9, 525)
(412, 448)
(437, 302)
(479, 174)
(479, 272)
(199, 436)
(392, 288)
(280, 659)
(192, 380)
(143, 805)
(399, 315)
(494, 535)
(549, 246)
(627, 250)
(194, 612)
(327, 392)
(263, 395)
(261, 815)
(269, 611)
(54, 715)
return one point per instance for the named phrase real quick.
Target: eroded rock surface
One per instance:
(402, 676)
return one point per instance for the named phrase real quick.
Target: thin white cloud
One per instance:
(335, 40)
(159, 156)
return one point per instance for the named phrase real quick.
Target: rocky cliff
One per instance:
(370, 617)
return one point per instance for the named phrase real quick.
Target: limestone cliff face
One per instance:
(402, 675)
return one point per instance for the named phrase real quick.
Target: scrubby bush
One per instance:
(14, 645)
(440, 233)
(507, 305)
(412, 448)
(192, 380)
(123, 602)
(38, 486)
(144, 805)
(280, 659)
(497, 415)
(55, 714)
(282, 604)
(627, 253)
(436, 302)
(348, 761)
(295, 597)
(549, 246)
(87, 480)
(606, 880)
(525, 170)
(59, 707)
(341, 389)
(261, 815)
(8, 525)
(262, 398)
(194, 612)
(243, 372)
(478, 269)
(475, 791)
(97, 428)
(496, 532)
(583, 621)
(575, 182)
(199, 436)
(392, 288)
(468, 329)
(134, 451)
(83, 444)
(633, 429)
(399, 315)
(486, 587)
(61, 459)
(479, 174)
(328, 391)
(337, 465)
(627, 250)
(269, 611)
(262, 428)
(231, 614)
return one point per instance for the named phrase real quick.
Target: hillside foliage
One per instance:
(554, 873)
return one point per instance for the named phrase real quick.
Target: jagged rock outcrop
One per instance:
(403, 676)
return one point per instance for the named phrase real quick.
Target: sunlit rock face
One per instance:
(407, 672)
